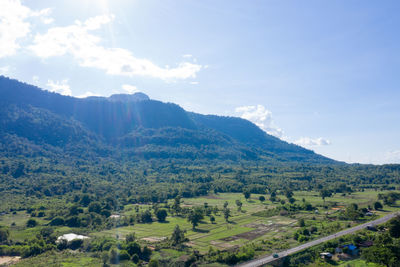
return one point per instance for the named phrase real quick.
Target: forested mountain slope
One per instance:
(137, 125)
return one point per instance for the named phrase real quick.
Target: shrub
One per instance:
(75, 244)
(31, 223)
(57, 221)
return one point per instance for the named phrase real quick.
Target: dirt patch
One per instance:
(153, 239)
(261, 229)
(6, 260)
(223, 245)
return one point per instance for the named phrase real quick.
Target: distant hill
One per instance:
(133, 126)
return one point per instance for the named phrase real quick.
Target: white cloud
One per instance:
(78, 41)
(261, 117)
(35, 79)
(194, 83)
(309, 142)
(130, 88)
(87, 94)
(95, 23)
(4, 70)
(60, 87)
(14, 25)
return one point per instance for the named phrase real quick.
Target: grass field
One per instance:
(62, 259)
(243, 227)
(274, 232)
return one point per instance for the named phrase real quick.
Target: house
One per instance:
(326, 255)
(70, 237)
(351, 249)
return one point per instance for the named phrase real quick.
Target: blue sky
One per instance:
(322, 74)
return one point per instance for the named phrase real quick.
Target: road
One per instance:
(269, 258)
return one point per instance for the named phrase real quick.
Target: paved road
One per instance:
(268, 258)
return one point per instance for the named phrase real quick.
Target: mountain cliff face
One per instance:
(134, 126)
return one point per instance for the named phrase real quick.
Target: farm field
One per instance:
(243, 226)
(262, 225)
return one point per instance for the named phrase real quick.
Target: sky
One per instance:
(320, 74)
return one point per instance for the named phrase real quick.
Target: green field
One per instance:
(272, 233)
(243, 227)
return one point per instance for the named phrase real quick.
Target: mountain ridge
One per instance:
(136, 123)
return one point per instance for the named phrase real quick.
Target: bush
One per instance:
(75, 244)
(31, 223)
(161, 215)
(124, 255)
(153, 263)
(4, 234)
(135, 258)
(57, 221)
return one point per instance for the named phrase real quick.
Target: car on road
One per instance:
(275, 255)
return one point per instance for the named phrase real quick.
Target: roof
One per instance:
(350, 247)
(70, 237)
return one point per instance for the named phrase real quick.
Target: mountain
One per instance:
(132, 126)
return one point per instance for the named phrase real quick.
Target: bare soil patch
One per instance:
(261, 229)
(7, 260)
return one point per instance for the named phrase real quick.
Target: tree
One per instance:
(246, 194)
(261, 198)
(352, 212)
(302, 223)
(161, 215)
(212, 219)
(130, 238)
(75, 244)
(57, 221)
(288, 194)
(227, 214)
(104, 257)
(146, 253)
(394, 227)
(378, 254)
(324, 193)
(239, 204)
(4, 233)
(177, 204)
(31, 223)
(133, 248)
(225, 204)
(178, 236)
(378, 205)
(153, 263)
(292, 200)
(195, 217)
(114, 256)
(85, 200)
(145, 217)
(95, 207)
